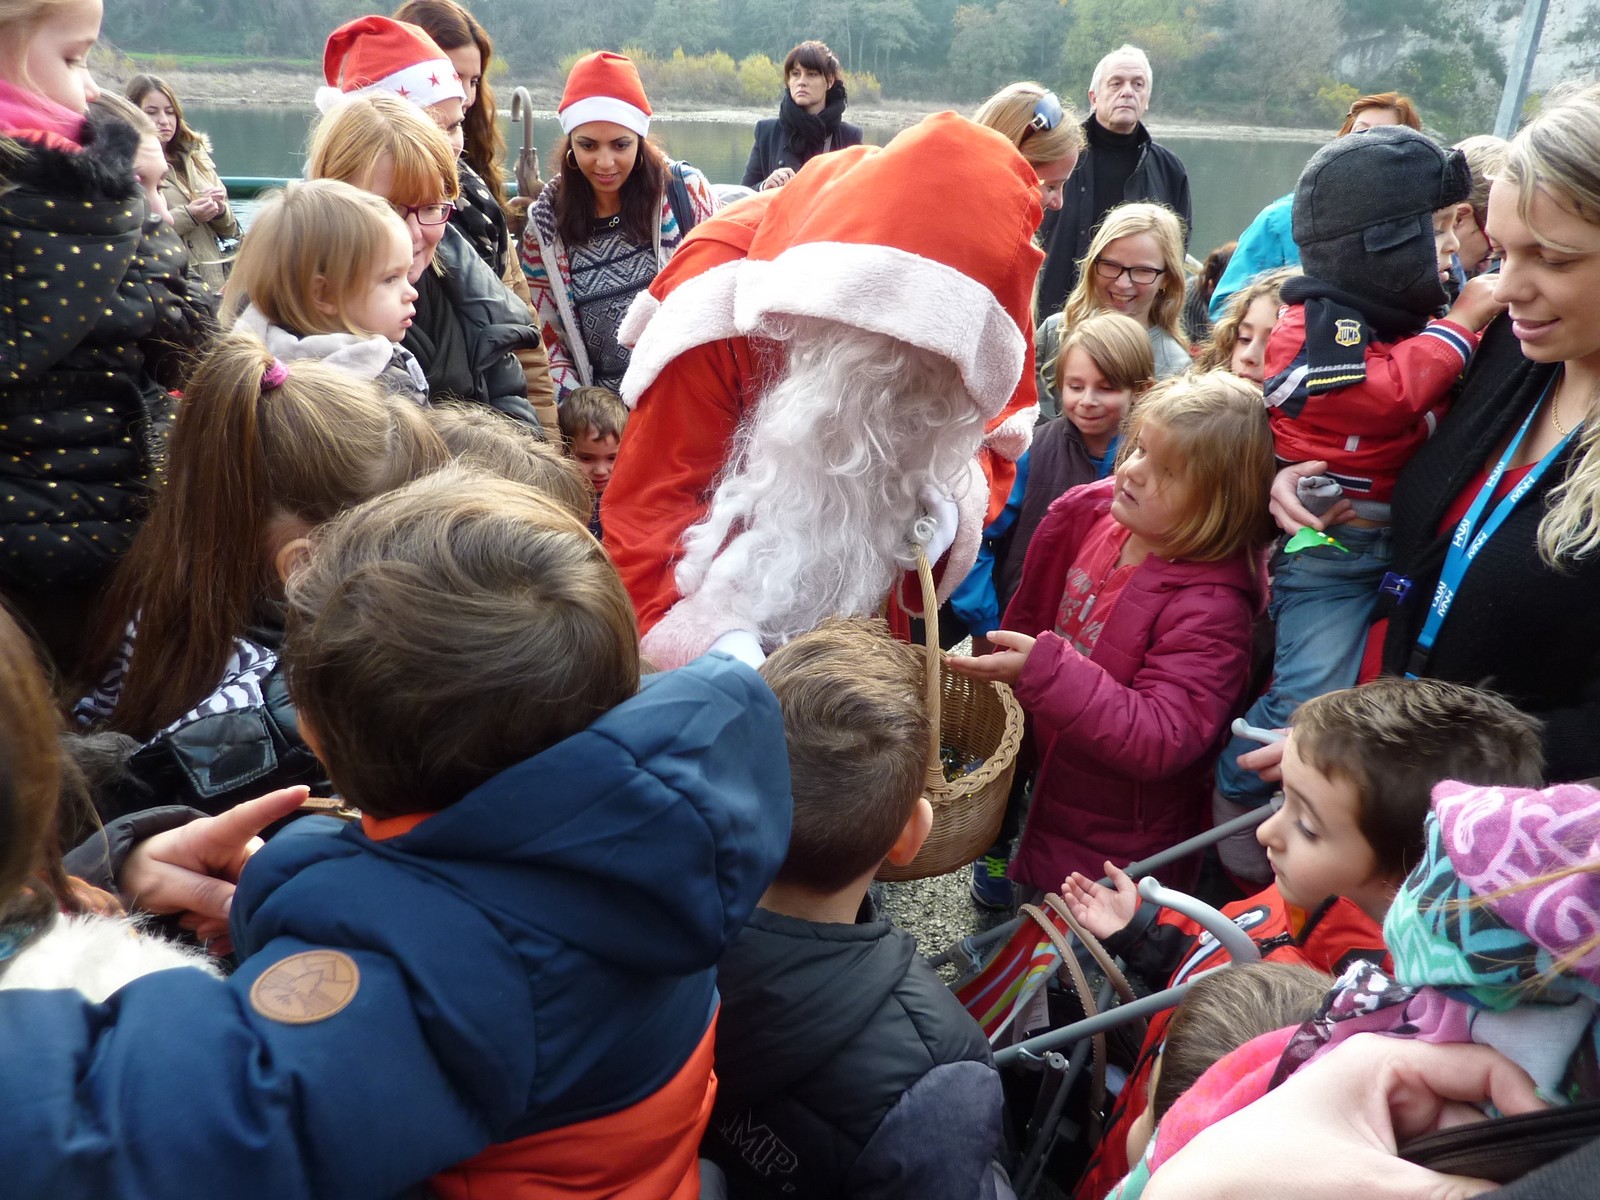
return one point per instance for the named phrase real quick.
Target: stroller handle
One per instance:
(1234, 940)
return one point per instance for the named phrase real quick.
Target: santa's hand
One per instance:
(743, 645)
(935, 529)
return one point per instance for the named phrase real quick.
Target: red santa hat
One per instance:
(604, 87)
(376, 54)
(928, 240)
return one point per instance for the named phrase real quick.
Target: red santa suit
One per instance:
(928, 240)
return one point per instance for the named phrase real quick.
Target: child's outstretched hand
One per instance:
(1011, 651)
(1099, 909)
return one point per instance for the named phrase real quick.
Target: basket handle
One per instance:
(930, 629)
(1080, 984)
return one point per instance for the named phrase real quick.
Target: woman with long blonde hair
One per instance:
(1496, 520)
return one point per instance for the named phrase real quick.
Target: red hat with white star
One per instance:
(376, 54)
(604, 86)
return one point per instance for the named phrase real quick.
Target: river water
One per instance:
(1230, 180)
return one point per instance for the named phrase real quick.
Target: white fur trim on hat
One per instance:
(604, 108)
(1011, 438)
(901, 295)
(424, 84)
(699, 310)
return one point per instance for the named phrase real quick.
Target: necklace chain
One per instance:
(1555, 414)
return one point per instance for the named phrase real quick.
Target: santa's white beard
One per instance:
(815, 513)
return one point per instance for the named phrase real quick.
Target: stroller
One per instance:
(1062, 1043)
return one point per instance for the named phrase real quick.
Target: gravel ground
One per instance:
(938, 912)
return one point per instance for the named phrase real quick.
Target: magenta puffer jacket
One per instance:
(1126, 737)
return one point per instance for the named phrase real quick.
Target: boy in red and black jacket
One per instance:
(1356, 378)
(1358, 773)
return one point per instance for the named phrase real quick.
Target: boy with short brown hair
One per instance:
(592, 421)
(1358, 773)
(508, 965)
(846, 1067)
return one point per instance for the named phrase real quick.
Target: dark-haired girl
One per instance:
(607, 222)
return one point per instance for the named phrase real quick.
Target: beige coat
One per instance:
(183, 184)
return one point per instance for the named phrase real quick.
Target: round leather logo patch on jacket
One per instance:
(307, 987)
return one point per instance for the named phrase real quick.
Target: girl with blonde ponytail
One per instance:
(185, 649)
(1497, 519)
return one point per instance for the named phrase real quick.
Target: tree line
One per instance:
(1266, 61)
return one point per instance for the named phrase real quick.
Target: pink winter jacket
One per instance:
(1126, 738)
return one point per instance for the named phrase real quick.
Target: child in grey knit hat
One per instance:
(1358, 370)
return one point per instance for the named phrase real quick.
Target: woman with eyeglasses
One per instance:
(810, 119)
(468, 323)
(1045, 132)
(399, 56)
(606, 224)
(1134, 267)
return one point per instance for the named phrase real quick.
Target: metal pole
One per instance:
(1519, 68)
(1234, 940)
(1123, 1014)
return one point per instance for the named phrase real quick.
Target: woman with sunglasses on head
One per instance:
(1134, 267)
(606, 224)
(809, 121)
(468, 324)
(1045, 132)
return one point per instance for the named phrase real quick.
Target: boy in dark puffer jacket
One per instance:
(846, 1067)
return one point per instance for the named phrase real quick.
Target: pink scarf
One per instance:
(31, 117)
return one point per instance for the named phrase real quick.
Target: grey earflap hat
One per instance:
(1363, 214)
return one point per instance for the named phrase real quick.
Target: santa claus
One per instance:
(824, 377)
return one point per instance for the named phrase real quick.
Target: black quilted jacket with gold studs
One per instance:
(94, 313)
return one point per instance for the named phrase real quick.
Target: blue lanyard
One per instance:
(1469, 536)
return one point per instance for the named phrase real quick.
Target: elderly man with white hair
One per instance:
(1123, 163)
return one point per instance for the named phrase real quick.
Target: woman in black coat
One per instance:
(809, 120)
(1512, 562)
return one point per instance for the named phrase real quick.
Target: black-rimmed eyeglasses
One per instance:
(1111, 271)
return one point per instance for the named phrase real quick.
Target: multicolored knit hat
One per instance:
(1489, 909)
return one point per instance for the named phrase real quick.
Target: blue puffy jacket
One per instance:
(538, 954)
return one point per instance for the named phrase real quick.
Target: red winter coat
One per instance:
(1126, 737)
(1365, 432)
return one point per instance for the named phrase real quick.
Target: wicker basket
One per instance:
(981, 720)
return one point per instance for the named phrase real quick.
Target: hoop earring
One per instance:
(572, 158)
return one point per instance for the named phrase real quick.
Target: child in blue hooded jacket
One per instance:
(500, 980)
